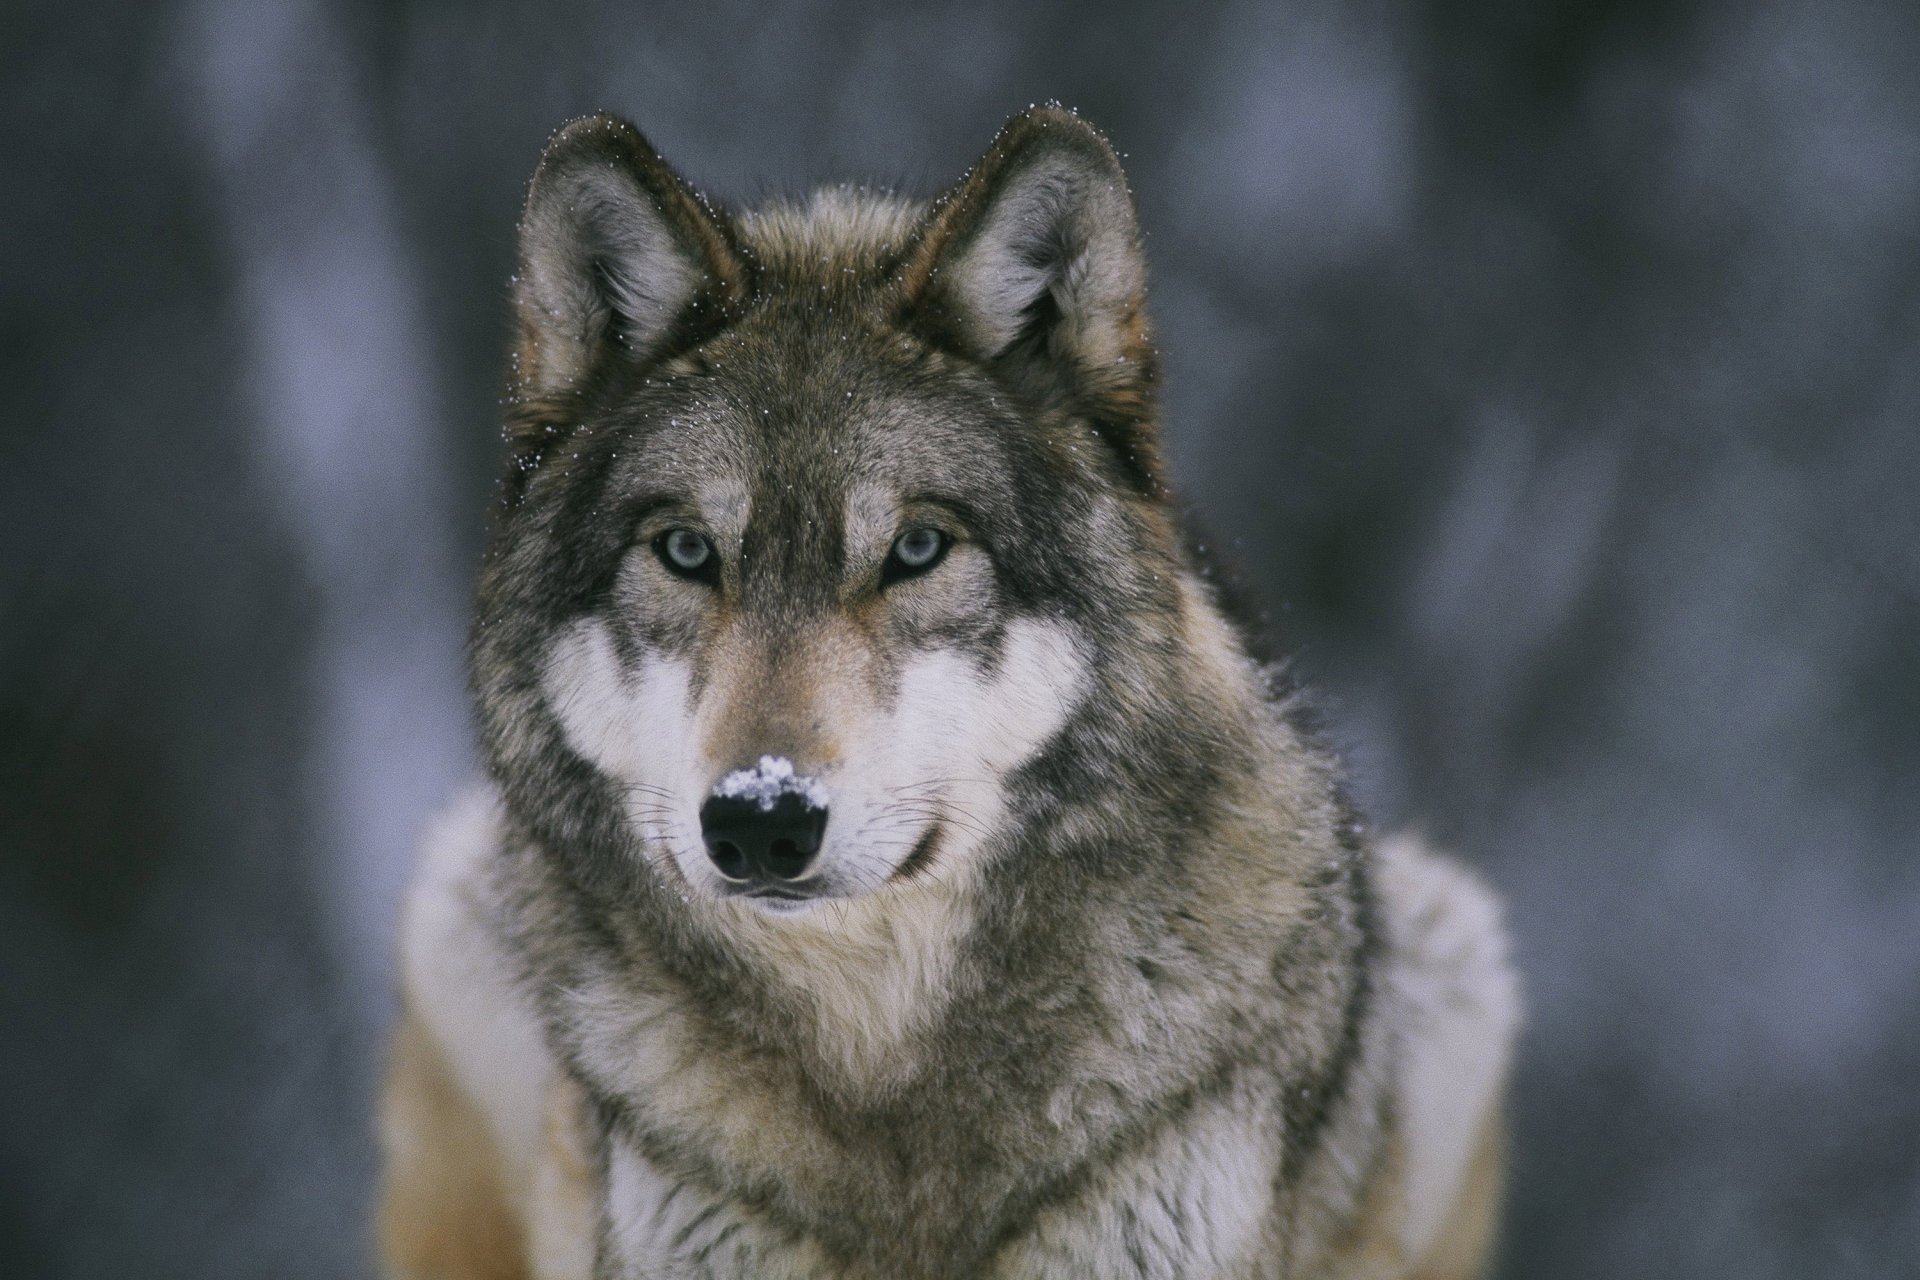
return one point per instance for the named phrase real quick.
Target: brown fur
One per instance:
(1465, 1250)
(445, 1213)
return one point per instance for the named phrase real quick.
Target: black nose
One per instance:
(751, 841)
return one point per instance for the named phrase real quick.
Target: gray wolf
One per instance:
(893, 863)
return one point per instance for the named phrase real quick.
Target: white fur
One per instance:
(1461, 1003)
(637, 726)
(962, 731)
(677, 1230)
(1195, 1202)
(459, 983)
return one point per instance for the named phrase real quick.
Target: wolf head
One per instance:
(833, 542)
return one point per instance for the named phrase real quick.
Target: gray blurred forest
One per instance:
(1551, 368)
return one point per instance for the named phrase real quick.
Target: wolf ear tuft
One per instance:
(1033, 265)
(618, 256)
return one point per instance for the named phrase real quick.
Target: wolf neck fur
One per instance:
(862, 976)
(987, 1040)
(858, 996)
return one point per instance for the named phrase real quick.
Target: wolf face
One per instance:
(824, 521)
(806, 676)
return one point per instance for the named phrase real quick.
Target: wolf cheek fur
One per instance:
(1089, 974)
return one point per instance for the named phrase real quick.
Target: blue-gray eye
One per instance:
(688, 554)
(915, 551)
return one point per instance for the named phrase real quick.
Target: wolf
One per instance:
(895, 863)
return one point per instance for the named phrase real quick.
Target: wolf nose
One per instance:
(750, 840)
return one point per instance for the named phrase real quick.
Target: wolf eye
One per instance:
(915, 551)
(687, 553)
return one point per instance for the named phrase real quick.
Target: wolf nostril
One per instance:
(751, 841)
(785, 860)
(727, 856)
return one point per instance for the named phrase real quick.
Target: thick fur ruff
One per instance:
(491, 1152)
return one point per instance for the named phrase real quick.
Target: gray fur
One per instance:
(1156, 1018)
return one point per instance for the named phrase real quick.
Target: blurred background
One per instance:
(1552, 369)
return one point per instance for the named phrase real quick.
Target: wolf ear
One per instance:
(618, 256)
(1033, 266)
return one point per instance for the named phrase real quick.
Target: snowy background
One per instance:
(1552, 367)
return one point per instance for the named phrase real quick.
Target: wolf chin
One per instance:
(894, 864)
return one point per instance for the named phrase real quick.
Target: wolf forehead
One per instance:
(812, 405)
(817, 379)
(839, 242)
(764, 407)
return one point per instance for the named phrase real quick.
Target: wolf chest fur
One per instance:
(893, 863)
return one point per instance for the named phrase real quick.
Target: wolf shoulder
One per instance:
(486, 1162)
(1197, 1200)
(1455, 1003)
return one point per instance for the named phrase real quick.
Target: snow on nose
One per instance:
(767, 781)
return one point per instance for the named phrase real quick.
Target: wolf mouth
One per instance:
(781, 899)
